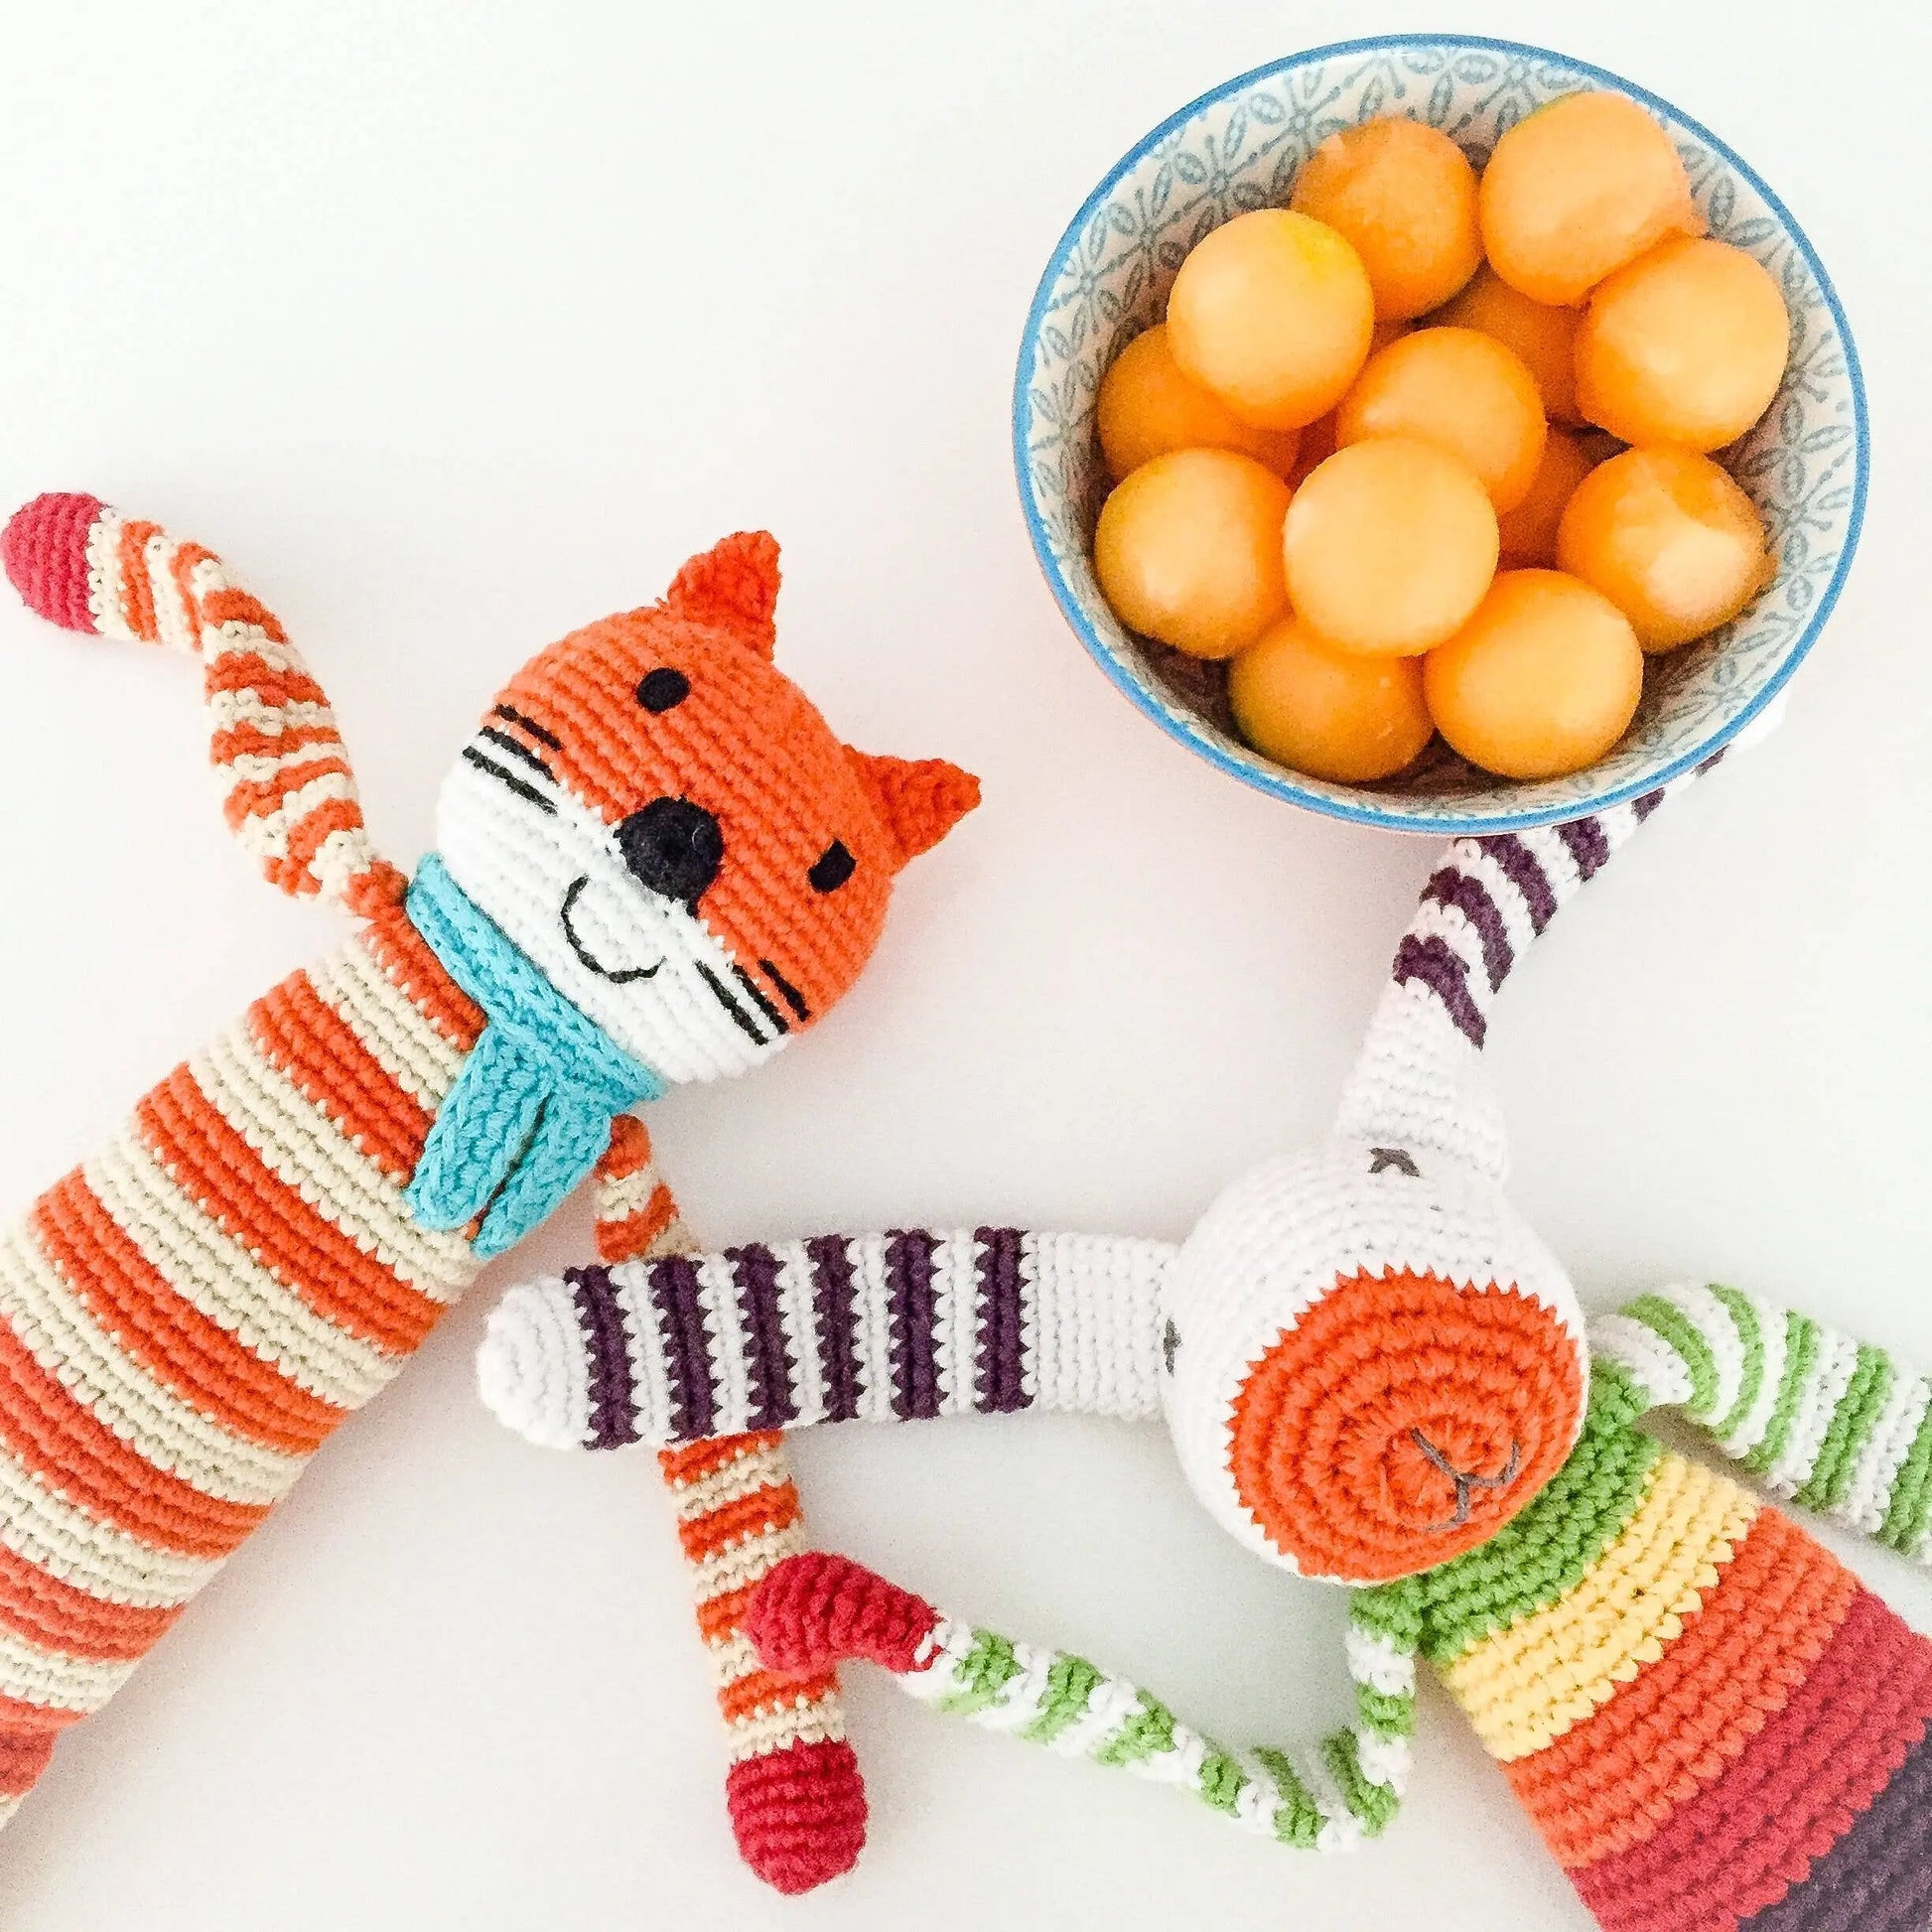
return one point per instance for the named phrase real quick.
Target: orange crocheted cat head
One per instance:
(665, 825)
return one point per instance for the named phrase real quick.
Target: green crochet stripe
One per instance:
(1544, 1552)
(1149, 1732)
(1744, 1316)
(981, 1674)
(1220, 1781)
(1672, 1327)
(1866, 1394)
(1910, 1509)
(1800, 1354)
(1388, 1713)
(1372, 1804)
(1070, 1684)
(1297, 1818)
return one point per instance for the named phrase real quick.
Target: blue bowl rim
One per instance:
(1278, 782)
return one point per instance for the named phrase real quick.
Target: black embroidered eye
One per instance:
(662, 688)
(833, 867)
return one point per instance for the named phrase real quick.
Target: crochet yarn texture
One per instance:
(1374, 1371)
(655, 862)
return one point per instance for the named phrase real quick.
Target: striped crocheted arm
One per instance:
(817, 1610)
(796, 1800)
(877, 1327)
(1822, 1419)
(1416, 1082)
(291, 797)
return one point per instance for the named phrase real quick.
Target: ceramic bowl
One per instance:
(1239, 148)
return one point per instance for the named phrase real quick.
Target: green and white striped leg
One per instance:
(816, 1610)
(1823, 1419)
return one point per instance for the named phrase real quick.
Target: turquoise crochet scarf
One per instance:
(530, 1112)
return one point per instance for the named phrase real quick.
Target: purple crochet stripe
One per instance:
(1000, 1359)
(834, 1316)
(1522, 867)
(687, 1354)
(1878, 1876)
(606, 1353)
(1436, 965)
(911, 1312)
(767, 1361)
(1586, 845)
(1452, 887)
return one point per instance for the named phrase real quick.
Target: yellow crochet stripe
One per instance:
(1527, 1685)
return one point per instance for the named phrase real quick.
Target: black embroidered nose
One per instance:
(673, 847)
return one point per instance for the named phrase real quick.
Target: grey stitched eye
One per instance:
(1169, 1345)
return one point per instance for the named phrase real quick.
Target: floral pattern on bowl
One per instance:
(1238, 148)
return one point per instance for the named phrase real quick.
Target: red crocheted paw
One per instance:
(815, 1611)
(44, 551)
(799, 1814)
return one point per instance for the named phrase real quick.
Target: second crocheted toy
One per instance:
(655, 862)
(1375, 1372)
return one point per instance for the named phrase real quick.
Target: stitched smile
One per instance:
(1466, 1483)
(616, 975)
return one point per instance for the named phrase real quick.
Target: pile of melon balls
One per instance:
(1362, 404)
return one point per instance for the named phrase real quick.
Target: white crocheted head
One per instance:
(1373, 1361)
(665, 826)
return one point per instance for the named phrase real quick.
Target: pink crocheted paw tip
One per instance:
(815, 1611)
(799, 1813)
(44, 551)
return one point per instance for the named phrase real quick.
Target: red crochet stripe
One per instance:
(798, 1814)
(1798, 1788)
(44, 550)
(815, 1611)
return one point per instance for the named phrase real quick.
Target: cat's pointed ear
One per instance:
(732, 586)
(920, 799)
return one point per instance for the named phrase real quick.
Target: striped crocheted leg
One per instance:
(1827, 1421)
(292, 799)
(816, 1610)
(874, 1327)
(796, 1798)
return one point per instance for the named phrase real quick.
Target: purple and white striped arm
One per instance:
(876, 1328)
(1416, 1082)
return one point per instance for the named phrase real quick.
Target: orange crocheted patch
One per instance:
(1401, 1421)
(1611, 1782)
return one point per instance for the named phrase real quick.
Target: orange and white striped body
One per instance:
(187, 1315)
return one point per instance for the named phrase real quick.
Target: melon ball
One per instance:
(1333, 714)
(1404, 197)
(1389, 546)
(1578, 189)
(1188, 550)
(1529, 531)
(1463, 390)
(1541, 682)
(1147, 407)
(1271, 312)
(1686, 345)
(1670, 539)
(1543, 337)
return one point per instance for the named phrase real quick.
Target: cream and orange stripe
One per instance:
(184, 1317)
(796, 1799)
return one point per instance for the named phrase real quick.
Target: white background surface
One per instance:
(454, 326)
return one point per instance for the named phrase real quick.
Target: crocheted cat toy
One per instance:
(1375, 1372)
(655, 864)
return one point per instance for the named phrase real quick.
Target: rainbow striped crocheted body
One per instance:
(187, 1315)
(1711, 1721)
